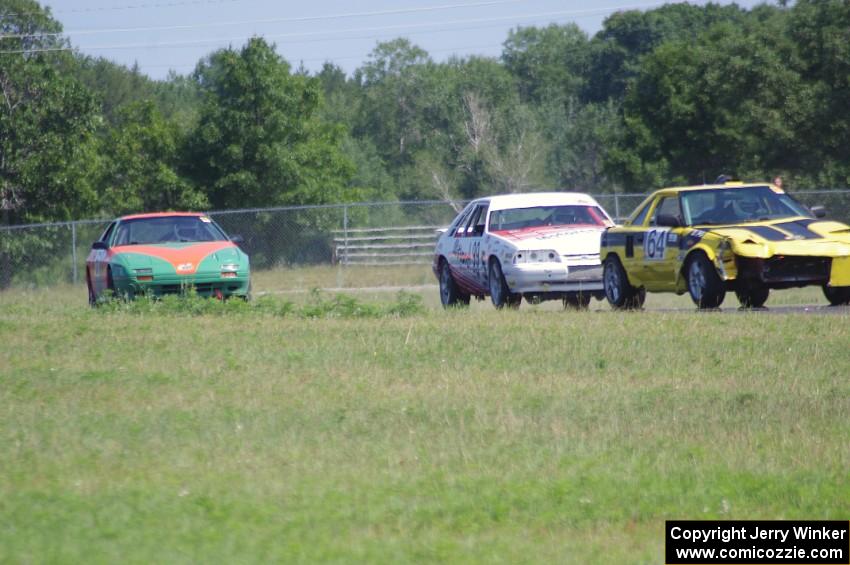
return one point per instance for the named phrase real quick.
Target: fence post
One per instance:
(617, 207)
(74, 250)
(345, 232)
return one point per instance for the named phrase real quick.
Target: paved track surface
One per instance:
(816, 309)
(412, 288)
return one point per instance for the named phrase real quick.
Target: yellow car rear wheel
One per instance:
(620, 293)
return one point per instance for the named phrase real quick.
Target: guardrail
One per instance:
(408, 245)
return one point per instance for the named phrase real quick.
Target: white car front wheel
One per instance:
(500, 293)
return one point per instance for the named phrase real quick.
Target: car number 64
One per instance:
(655, 244)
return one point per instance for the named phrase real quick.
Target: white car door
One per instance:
(466, 252)
(475, 239)
(454, 243)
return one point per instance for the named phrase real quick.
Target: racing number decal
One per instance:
(654, 244)
(472, 259)
(476, 255)
(457, 251)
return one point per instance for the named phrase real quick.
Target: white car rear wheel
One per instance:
(577, 300)
(450, 294)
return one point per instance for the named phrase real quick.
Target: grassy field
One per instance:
(252, 434)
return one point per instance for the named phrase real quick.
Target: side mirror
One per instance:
(99, 245)
(818, 211)
(668, 220)
(237, 239)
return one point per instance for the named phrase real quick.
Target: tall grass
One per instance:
(150, 434)
(319, 305)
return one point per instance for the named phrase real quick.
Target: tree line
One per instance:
(677, 94)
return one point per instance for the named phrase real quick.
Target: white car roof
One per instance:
(532, 199)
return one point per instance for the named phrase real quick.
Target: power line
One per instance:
(373, 36)
(350, 38)
(129, 7)
(333, 58)
(192, 43)
(300, 19)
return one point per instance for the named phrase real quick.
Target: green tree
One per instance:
(504, 153)
(47, 122)
(142, 154)
(341, 96)
(48, 158)
(391, 114)
(549, 63)
(258, 140)
(178, 99)
(580, 141)
(727, 101)
(821, 33)
(616, 50)
(342, 99)
(114, 85)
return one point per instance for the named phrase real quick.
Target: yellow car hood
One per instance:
(794, 236)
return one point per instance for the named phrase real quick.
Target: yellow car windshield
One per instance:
(721, 206)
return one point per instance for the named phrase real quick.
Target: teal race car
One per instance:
(166, 253)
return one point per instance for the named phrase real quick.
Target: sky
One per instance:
(163, 35)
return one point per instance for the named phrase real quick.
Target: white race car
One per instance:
(541, 246)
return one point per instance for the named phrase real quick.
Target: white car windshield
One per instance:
(547, 216)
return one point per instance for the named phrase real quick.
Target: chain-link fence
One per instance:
(345, 234)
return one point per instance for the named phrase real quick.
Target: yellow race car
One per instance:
(708, 239)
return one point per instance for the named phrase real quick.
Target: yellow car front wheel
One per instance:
(754, 297)
(704, 284)
(837, 295)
